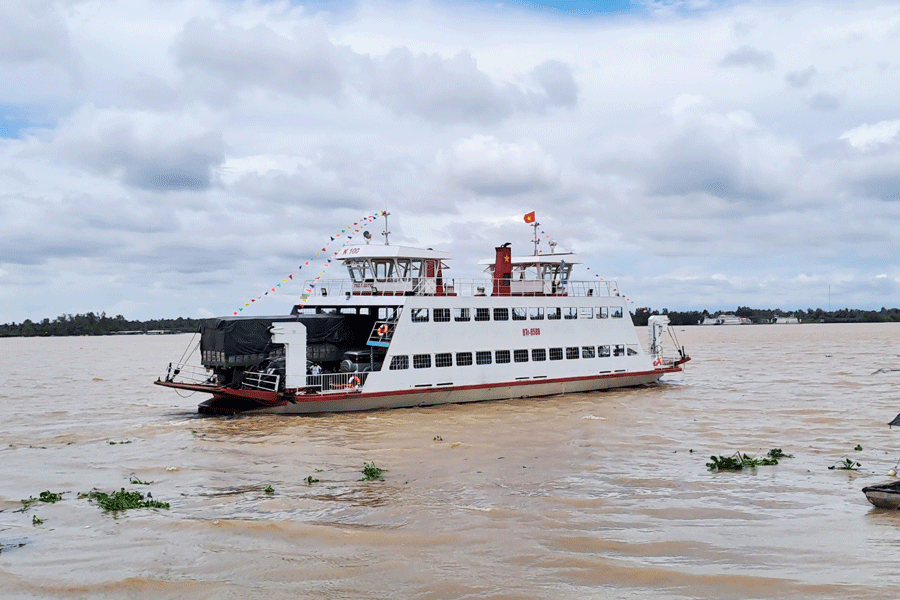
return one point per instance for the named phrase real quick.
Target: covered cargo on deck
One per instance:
(247, 341)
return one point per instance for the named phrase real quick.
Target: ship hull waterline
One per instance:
(226, 401)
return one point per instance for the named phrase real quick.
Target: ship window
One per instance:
(399, 362)
(602, 312)
(502, 356)
(381, 270)
(442, 315)
(419, 315)
(519, 314)
(556, 354)
(602, 351)
(501, 314)
(616, 312)
(619, 350)
(520, 355)
(483, 357)
(572, 352)
(553, 313)
(631, 349)
(536, 313)
(538, 354)
(461, 314)
(463, 359)
(445, 359)
(587, 312)
(421, 361)
(482, 314)
(587, 352)
(570, 313)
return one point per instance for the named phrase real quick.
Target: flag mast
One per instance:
(530, 219)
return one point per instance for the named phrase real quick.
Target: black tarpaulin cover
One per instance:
(240, 336)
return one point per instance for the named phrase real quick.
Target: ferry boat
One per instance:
(399, 333)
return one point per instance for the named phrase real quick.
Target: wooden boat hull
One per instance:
(885, 495)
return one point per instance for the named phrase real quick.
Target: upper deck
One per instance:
(384, 270)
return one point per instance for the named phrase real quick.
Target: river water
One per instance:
(595, 495)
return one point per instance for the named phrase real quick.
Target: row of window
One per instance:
(486, 357)
(533, 313)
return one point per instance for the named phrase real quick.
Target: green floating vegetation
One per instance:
(371, 472)
(135, 481)
(738, 461)
(438, 438)
(112, 443)
(311, 480)
(123, 500)
(858, 448)
(48, 497)
(846, 465)
(35, 521)
(269, 489)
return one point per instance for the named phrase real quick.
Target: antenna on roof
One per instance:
(385, 233)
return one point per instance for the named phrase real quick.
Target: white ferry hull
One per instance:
(361, 401)
(434, 397)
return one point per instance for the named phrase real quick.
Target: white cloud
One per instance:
(182, 155)
(866, 137)
(488, 166)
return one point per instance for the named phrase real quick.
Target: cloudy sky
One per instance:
(165, 158)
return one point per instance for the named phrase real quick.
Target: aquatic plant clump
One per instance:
(846, 465)
(47, 496)
(371, 472)
(122, 500)
(738, 461)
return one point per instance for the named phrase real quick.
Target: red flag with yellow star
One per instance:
(529, 218)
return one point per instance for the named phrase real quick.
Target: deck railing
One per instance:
(433, 286)
(188, 374)
(256, 380)
(336, 382)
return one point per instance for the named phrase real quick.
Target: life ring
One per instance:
(657, 362)
(354, 382)
(383, 330)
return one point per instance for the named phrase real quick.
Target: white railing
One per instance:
(255, 380)
(189, 374)
(429, 286)
(336, 382)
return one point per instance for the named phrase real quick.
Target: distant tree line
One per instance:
(768, 315)
(91, 324)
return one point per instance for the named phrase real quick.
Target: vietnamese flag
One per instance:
(529, 218)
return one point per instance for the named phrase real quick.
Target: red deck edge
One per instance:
(277, 399)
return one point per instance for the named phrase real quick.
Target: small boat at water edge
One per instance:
(400, 333)
(884, 495)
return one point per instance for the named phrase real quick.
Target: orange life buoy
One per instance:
(354, 382)
(383, 330)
